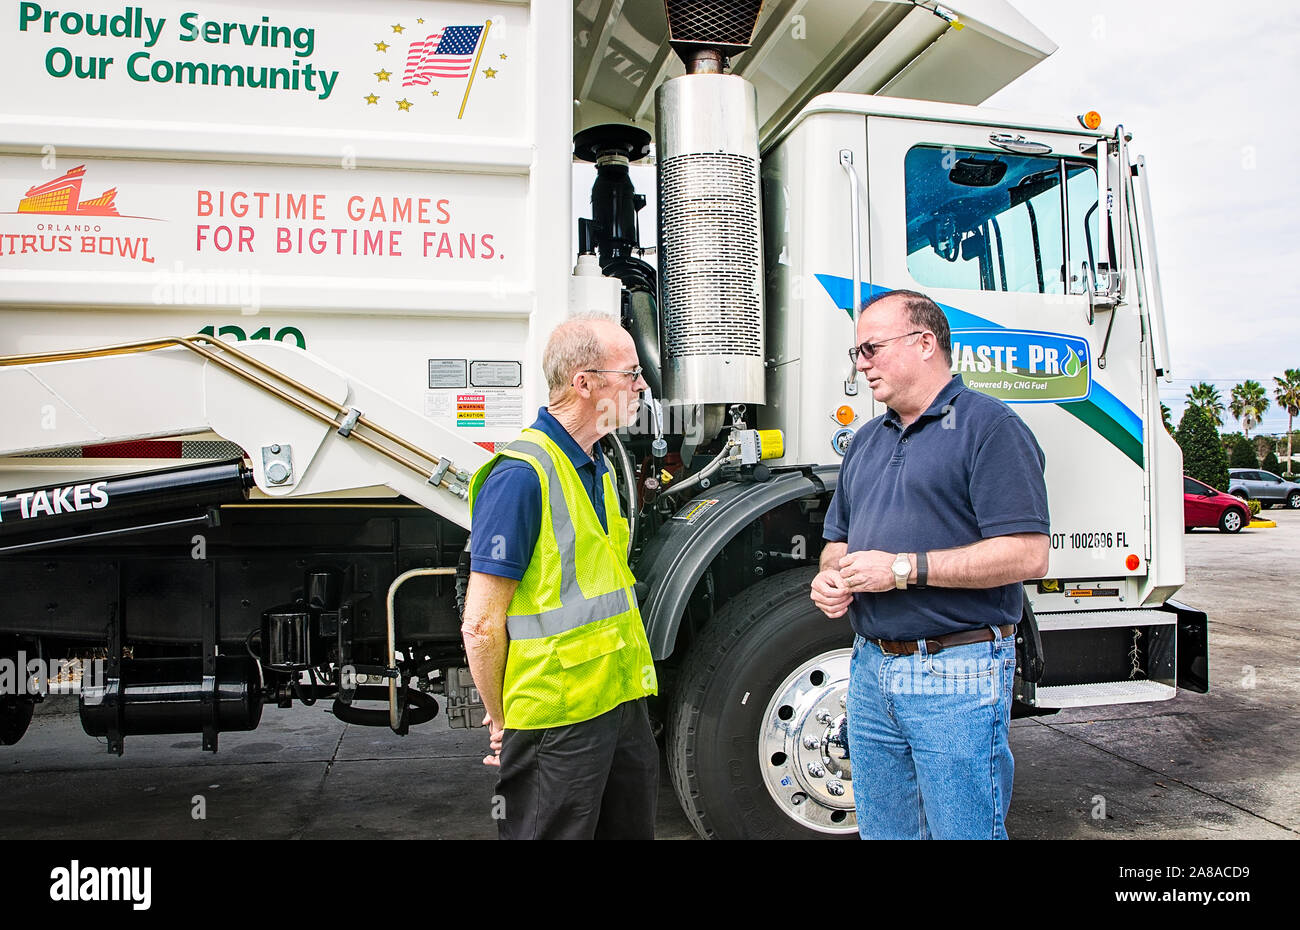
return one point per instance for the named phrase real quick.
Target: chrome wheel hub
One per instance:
(803, 745)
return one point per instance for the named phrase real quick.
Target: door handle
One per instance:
(855, 282)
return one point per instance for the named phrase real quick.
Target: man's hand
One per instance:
(869, 571)
(495, 734)
(831, 594)
(486, 645)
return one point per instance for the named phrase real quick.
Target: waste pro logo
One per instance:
(1022, 366)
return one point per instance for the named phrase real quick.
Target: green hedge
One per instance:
(1203, 457)
(1243, 454)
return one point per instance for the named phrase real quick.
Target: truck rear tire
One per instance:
(756, 743)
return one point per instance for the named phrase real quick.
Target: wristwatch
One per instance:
(902, 568)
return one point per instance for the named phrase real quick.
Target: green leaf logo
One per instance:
(1072, 365)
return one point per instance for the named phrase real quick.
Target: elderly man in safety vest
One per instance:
(554, 638)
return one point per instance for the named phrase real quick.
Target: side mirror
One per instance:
(1112, 194)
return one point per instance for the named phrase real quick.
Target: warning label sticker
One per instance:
(476, 409)
(471, 410)
(694, 510)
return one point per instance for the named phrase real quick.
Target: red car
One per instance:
(1204, 506)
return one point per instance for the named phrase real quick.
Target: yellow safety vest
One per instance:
(577, 642)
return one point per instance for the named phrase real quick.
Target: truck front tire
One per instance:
(756, 743)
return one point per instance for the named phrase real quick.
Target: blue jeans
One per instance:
(928, 740)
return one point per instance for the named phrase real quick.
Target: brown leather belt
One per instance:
(939, 643)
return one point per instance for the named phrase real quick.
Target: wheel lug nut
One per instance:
(811, 742)
(815, 769)
(844, 701)
(835, 787)
(823, 717)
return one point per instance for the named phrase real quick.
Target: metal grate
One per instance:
(72, 453)
(710, 240)
(198, 449)
(709, 22)
(1103, 692)
(211, 449)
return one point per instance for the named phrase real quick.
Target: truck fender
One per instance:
(675, 559)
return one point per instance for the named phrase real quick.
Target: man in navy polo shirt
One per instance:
(939, 515)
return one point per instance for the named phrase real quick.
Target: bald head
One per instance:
(578, 344)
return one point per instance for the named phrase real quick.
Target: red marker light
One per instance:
(1132, 562)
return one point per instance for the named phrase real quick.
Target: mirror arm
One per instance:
(1105, 343)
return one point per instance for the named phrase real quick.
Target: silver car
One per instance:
(1263, 486)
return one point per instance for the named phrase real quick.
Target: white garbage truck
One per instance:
(275, 281)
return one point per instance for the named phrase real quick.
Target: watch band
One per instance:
(922, 569)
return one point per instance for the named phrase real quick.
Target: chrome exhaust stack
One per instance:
(710, 220)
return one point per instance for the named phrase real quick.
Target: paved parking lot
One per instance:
(1223, 764)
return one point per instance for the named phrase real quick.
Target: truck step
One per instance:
(1095, 619)
(1103, 692)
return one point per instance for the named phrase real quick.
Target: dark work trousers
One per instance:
(592, 780)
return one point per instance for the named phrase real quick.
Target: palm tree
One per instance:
(1206, 396)
(1287, 393)
(1249, 401)
(1166, 414)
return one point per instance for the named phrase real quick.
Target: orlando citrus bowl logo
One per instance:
(76, 227)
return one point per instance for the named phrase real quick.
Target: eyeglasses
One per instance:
(868, 349)
(634, 374)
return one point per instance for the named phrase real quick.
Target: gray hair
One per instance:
(573, 346)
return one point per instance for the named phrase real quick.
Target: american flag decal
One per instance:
(448, 53)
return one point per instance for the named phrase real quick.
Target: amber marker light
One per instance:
(1132, 562)
(844, 415)
(1091, 119)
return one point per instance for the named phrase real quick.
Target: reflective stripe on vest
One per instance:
(577, 609)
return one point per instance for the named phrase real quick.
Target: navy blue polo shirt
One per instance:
(967, 469)
(508, 508)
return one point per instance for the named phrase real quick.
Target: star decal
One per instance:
(490, 72)
(403, 104)
(371, 98)
(434, 92)
(503, 56)
(399, 28)
(420, 20)
(381, 46)
(383, 75)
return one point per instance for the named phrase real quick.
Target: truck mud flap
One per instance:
(1193, 643)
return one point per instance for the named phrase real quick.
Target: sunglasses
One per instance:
(868, 349)
(632, 373)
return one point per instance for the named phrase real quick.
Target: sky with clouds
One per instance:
(1209, 99)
